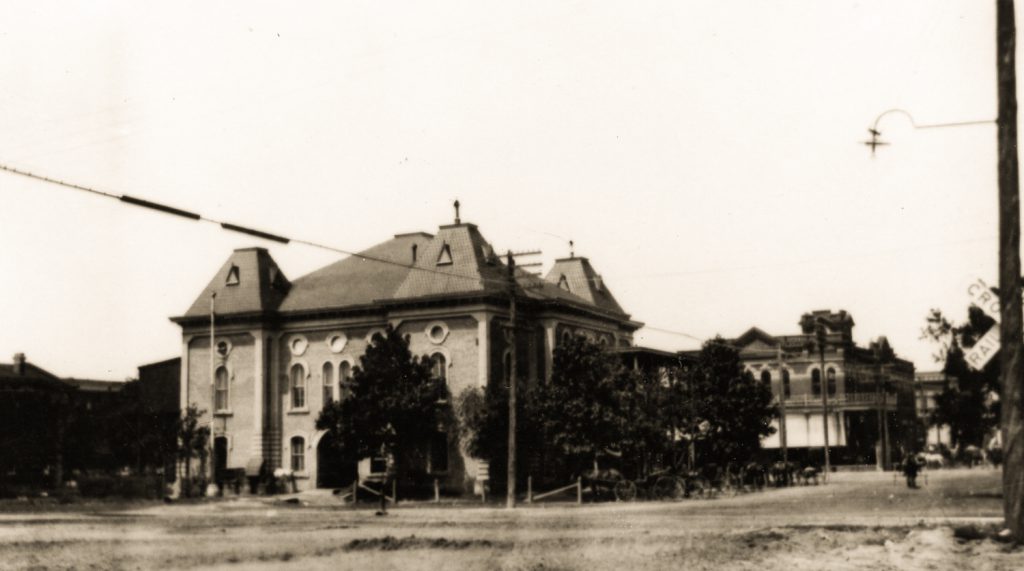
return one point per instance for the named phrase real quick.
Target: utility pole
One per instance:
(882, 441)
(1009, 272)
(782, 410)
(824, 394)
(510, 501)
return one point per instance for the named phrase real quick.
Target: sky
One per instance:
(705, 155)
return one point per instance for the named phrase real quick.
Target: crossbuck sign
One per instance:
(981, 353)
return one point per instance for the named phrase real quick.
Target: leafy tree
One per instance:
(193, 442)
(968, 408)
(648, 403)
(580, 412)
(729, 407)
(392, 407)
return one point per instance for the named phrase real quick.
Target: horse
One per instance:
(808, 474)
(783, 474)
(754, 475)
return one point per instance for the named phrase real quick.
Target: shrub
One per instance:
(148, 486)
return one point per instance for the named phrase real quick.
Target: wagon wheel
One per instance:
(625, 490)
(667, 488)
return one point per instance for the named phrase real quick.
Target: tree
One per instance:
(193, 442)
(729, 407)
(580, 412)
(968, 408)
(392, 405)
(648, 403)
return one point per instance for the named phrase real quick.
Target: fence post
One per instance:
(355, 491)
(437, 492)
(394, 491)
(579, 490)
(529, 489)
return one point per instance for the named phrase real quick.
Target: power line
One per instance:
(673, 332)
(181, 213)
(173, 211)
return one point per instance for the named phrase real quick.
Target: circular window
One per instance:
(223, 348)
(437, 332)
(298, 345)
(336, 342)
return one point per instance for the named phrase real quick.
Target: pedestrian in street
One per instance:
(910, 470)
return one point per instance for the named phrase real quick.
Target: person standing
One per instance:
(910, 470)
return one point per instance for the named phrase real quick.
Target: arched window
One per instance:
(831, 381)
(439, 368)
(816, 382)
(766, 377)
(220, 396)
(785, 383)
(298, 381)
(298, 454)
(328, 382)
(506, 368)
(344, 379)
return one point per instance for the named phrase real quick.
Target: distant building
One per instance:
(282, 346)
(870, 391)
(160, 386)
(49, 425)
(929, 385)
(33, 413)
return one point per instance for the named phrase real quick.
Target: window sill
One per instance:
(303, 410)
(225, 412)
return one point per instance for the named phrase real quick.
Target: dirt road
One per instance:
(858, 521)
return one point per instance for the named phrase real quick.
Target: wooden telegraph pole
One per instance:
(1009, 272)
(824, 394)
(510, 499)
(782, 410)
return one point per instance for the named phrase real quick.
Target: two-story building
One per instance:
(280, 347)
(868, 391)
(930, 384)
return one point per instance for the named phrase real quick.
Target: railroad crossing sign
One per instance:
(982, 352)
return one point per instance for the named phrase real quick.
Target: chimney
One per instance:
(19, 363)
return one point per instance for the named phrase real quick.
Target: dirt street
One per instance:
(858, 521)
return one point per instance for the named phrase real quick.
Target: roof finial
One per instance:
(457, 220)
(572, 249)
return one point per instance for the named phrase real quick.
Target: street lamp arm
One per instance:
(915, 125)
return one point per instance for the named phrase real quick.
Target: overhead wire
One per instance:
(181, 213)
(238, 228)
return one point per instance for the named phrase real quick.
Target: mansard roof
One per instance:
(576, 276)
(249, 282)
(456, 262)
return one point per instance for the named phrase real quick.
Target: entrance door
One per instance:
(220, 458)
(332, 471)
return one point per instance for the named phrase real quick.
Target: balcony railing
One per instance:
(808, 400)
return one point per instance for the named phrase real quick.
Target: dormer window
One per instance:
(598, 283)
(233, 279)
(563, 282)
(445, 259)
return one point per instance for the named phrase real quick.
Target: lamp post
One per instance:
(1011, 320)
